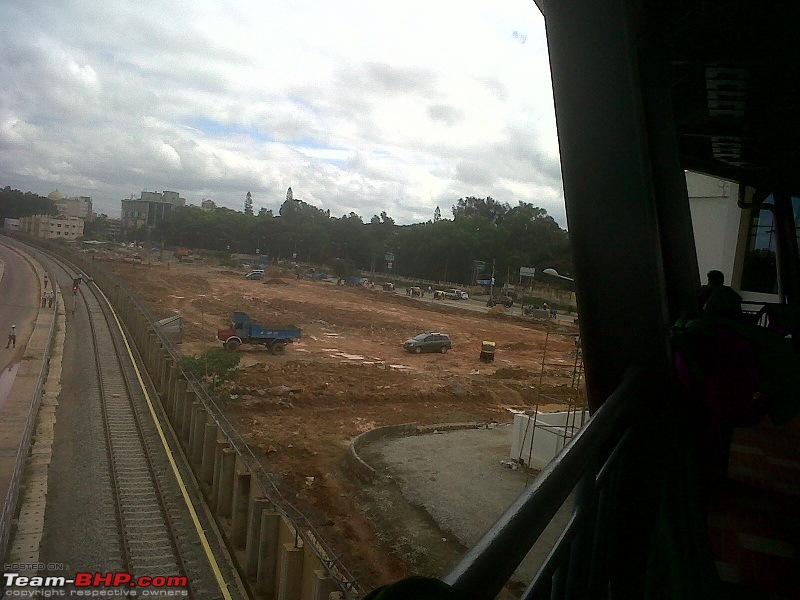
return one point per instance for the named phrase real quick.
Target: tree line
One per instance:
(500, 236)
(482, 230)
(15, 204)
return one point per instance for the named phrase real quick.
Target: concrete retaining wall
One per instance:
(366, 473)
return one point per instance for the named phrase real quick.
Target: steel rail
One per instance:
(192, 547)
(266, 480)
(142, 515)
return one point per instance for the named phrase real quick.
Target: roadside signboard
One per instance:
(479, 265)
(389, 265)
(527, 271)
(389, 257)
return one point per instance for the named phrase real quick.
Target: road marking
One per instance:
(198, 527)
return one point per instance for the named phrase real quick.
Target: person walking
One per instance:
(12, 337)
(44, 299)
(50, 297)
(45, 281)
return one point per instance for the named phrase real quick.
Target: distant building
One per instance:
(11, 224)
(78, 206)
(114, 228)
(60, 227)
(149, 210)
(208, 204)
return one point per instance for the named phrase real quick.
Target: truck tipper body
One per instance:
(243, 330)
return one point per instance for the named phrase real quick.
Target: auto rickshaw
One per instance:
(487, 351)
(416, 291)
(388, 286)
(438, 294)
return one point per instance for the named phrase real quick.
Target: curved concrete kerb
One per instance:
(366, 473)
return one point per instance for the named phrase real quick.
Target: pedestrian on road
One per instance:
(12, 337)
(50, 297)
(45, 281)
(44, 299)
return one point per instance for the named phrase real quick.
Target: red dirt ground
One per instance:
(349, 374)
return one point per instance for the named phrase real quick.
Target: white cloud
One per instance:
(357, 105)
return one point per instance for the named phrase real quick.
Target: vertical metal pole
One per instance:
(788, 261)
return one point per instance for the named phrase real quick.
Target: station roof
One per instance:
(735, 84)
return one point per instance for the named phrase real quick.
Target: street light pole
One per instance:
(555, 273)
(491, 282)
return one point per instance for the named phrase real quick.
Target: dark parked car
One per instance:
(428, 342)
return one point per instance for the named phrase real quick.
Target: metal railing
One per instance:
(269, 484)
(574, 567)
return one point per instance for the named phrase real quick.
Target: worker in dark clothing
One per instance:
(12, 337)
(718, 299)
(44, 299)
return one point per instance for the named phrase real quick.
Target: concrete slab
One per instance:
(458, 478)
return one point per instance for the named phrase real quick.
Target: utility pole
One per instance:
(491, 284)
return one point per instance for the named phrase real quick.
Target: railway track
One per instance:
(157, 530)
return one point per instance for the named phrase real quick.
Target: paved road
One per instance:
(480, 306)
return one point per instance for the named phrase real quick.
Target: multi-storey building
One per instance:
(149, 209)
(60, 227)
(77, 206)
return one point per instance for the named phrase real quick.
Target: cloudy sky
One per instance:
(358, 105)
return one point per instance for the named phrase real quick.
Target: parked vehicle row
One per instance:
(456, 294)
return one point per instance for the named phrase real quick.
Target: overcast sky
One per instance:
(358, 105)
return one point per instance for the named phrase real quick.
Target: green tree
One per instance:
(214, 365)
(15, 204)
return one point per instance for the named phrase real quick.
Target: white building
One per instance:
(740, 242)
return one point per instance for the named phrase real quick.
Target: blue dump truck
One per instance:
(243, 330)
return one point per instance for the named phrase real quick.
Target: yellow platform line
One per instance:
(201, 534)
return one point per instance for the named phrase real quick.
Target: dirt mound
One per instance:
(275, 281)
(518, 346)
(229, 272)
(498, 309)
(513, 373)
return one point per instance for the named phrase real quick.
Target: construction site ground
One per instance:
(349, 374)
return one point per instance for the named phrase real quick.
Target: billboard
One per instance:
(527, 271)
